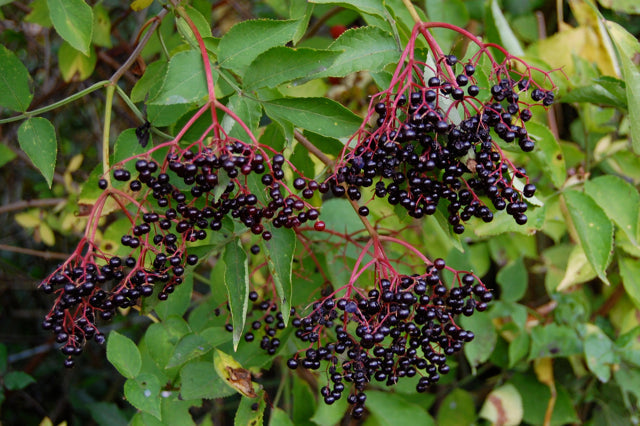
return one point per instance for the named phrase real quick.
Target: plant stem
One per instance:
(105, 133)
(412, 11)
(25, 204)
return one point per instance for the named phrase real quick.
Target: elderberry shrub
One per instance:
(437, 141)
(183, 200)
(403, 327)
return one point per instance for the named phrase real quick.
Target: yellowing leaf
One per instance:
(503, 406)
(72, 62)
(28, 219)
(233, 374)
(578, 270)
(46, 234)
(543, 368)
(75, 163)
(138, 5)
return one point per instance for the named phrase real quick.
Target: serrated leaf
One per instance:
(594, 230)
(123, 354)
(73, 20)
(362, 49)
(319, 115)
(279, 251)
(481, 347)
(599, 94)
(248, 110)
(503, 223)
(548, 153)
(150, 82)
(628, 49)
(619, 200)
(202, 25)
(72, 62)
(598, 353)
(246, 40)
(554, 340)
(236, 279)
(143, 392)
(630, 271)
(15, 93)
(283, 64)
(247, 414)
(37, 138)
(185, 81)
(372, 7)
(200, 380)
(190, 347)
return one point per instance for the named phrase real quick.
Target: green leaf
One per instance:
(143, 392)
(200, 380)
(513, 281)
(628, 49)
(72, 62)
(248, 110)
(548, 153)
(330, 414)
(594, 230)
(481, 347)
(283, 64)
(372, 7)
(185, 81)
(610, 92)
(160, 343)
(73, 20)
(191, 346)
(279, 417)
(15, 380)
(519, 348)
(107, 414)
(150, 82)
(15, 93)
(246, 415)
(236, 279)
(598, 352)
(554, 340)
(619, 200)
(39, 14)
(450, 11)
(319, 115)
(362, 49)
(457, 408)
(37, 138)
(503, 223)
(535, 408)
(123, 354)
(630, 271)
(279, 251)
(101, 26)
(6, 155)
(246, 40)
(179, 301)
(202, 25)
(391, 409)
(499, 31)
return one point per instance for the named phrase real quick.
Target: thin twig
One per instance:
(44, 254)
(25, 204)
(313, 149)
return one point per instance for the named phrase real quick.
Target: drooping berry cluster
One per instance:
(403, 327)
(441, 138)
(174, 204)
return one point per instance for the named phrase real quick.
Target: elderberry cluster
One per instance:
(403, 327)
(264, 316)
(183, 199)
(421, 154)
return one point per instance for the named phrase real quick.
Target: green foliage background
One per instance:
(561, 344)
